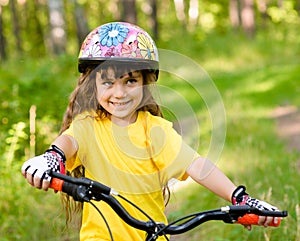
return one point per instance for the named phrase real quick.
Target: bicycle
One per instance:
(86, 190)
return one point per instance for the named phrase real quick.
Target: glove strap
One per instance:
(239, 196)
(56, 159)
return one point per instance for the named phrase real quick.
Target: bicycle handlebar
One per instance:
(84, 190)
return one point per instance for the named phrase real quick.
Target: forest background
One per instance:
(250, 49)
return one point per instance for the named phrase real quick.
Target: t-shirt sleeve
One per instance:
(171, 154)
(182, 157)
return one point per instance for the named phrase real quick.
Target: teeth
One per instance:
(119, 104)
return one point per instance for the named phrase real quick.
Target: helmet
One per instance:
(118, 41)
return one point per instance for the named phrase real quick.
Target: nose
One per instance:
(119, 90)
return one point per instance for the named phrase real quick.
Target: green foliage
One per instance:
(287, 13)
(253, 77)
(43, 83)
(26, 213)
(253, 154)
(27, 82)
(209, 17)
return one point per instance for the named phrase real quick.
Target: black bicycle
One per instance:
(86, 190)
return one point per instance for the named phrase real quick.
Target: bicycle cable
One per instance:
(104, 219)
(144, 213)
(172, 223)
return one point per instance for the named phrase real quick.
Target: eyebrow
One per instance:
(134, 74)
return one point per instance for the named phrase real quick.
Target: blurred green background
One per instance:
(250, 49)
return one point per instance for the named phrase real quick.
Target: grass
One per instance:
(253, 155)
(251, 82)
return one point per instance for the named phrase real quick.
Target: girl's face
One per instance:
(120, 96)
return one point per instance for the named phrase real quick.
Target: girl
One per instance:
(113, 132)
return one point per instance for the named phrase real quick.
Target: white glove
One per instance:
(38, 166)
(261, 205)
(240, 197)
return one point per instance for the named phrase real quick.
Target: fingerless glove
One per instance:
(240, 197)
(38, 166)
(55, 159)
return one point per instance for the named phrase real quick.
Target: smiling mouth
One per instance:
(119, 103)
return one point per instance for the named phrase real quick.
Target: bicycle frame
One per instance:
(85, 190)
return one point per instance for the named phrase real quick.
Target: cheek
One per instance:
(101, 92)
(138, 93)
(141, 96)
(101, 95)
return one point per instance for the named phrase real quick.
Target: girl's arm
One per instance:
(67, 144)
(210, 176)
(34, 170)
(207, 174)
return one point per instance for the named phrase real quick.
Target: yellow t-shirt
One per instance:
(137, 161)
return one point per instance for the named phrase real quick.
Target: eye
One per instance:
(107, 83)
(131, 81)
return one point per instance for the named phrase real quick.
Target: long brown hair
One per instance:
(84, 98)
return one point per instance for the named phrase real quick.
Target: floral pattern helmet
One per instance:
(118, 41)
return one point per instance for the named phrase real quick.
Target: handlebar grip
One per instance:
(252, 219)
(69, 188)
(56, 184)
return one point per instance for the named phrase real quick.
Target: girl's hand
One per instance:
(35, 169)
(240, 197)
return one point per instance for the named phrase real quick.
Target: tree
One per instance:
(149, 9)
(234, 13)
(2, 39)
(241, 13)
(129, 11)
(193, 12)
(16, 26)
(32, 23)
(180, 10)
(247, 15)
(262, 7)
(82, 28)
(153, 18)
(57, 39)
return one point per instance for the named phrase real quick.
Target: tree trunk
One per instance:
(82, 28)
(234, 13)
(57, 39)
(180, 11)
(2, 39)
(193, 13)
(129, 11)
(34, 25)
(262, 8)
(248, 20)
(16, 26)
(153, 18)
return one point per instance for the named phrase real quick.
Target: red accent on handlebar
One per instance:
(56, 184)
(252, 219)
